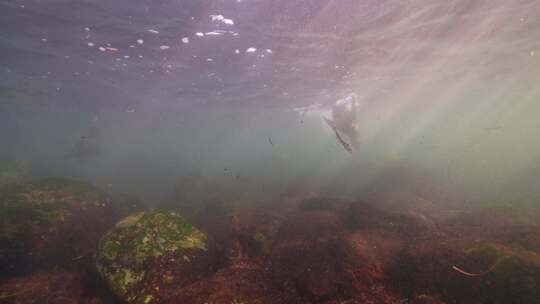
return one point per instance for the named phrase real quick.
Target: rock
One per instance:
(59, 287)
(149, 255)
(50, 222)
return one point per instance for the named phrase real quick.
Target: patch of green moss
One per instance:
(259, 237)
(512, 209)
(14, 171)
(496, 252)
(515, 271)
(43, 201)
(139, 238)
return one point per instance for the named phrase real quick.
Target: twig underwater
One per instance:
(469, 274)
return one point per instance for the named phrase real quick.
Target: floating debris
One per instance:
(237, 51)
(164, 47)
(251, 50)
(199, 34)
(111, 49)
(102, 49)
(269, 51)
(90, 44)
(153, 31)
(140, 41)
(87, 29)
(185, 40)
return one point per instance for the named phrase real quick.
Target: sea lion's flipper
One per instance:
(340, 139)
(330, 123)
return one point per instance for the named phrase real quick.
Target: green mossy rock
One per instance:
(50, 219)
(149, 252)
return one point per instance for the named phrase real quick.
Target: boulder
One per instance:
(151, 254)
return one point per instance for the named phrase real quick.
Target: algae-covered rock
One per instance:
(512, 274)
(149, 254)
(50, 221)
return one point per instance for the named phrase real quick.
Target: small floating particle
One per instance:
(140, 41)
(111, 49)
(251, 50)
(532, 53)
(209, 59)
(132, 46)
(269, 51)
(164, 47)
(185, 40)
(102, 49)
(90, 44)
(140, 56)
(44, 39)
(153, 31)
(87, 29)
(199, 34)
(237, 51)
(126, 56)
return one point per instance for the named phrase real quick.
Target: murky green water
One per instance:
(327, 151)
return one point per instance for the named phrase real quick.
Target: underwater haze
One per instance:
(233, 105)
